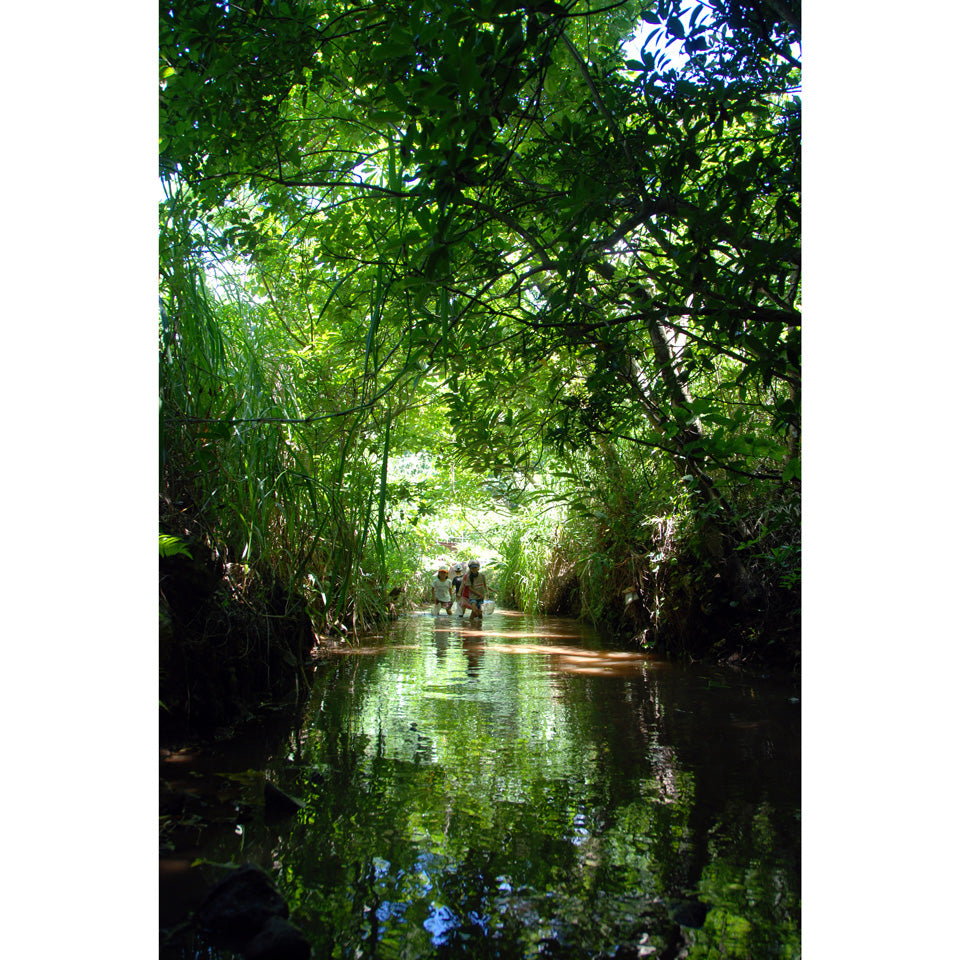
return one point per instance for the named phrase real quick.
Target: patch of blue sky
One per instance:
(669, 51)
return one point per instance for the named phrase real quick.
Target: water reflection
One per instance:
(515, 789)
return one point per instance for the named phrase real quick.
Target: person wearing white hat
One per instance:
(458, 571)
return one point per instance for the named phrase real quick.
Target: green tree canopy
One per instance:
(494, 214)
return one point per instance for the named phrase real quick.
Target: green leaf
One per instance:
(172, 546)
(675, 26)
(393, 93)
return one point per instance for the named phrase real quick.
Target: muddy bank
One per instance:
(226, 647)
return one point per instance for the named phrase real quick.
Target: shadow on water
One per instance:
(515, 789)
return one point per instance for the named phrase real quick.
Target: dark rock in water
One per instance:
(240, 906)
(278, 805)
(688, 913)
(278, 940)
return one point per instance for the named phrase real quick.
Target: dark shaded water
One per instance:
(516, 790)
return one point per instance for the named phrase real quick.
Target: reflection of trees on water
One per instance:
(491, 786)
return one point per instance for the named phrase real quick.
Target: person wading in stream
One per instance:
(457, 580)
(473, 590)
(442, 593)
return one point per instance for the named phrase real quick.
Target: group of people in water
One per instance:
(468, 588)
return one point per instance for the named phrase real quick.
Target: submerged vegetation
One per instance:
(442, 279)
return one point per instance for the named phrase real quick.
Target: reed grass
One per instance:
(263, 480)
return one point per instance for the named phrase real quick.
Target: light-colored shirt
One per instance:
(442, 590)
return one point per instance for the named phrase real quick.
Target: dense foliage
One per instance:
(564, 274)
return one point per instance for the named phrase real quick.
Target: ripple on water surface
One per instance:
(516, 789)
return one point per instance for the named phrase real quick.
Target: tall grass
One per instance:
(248, 465)
(524, 549)
(634, 553)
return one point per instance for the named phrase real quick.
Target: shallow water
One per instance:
(515, 789)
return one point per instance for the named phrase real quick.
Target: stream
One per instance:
(514, 789)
